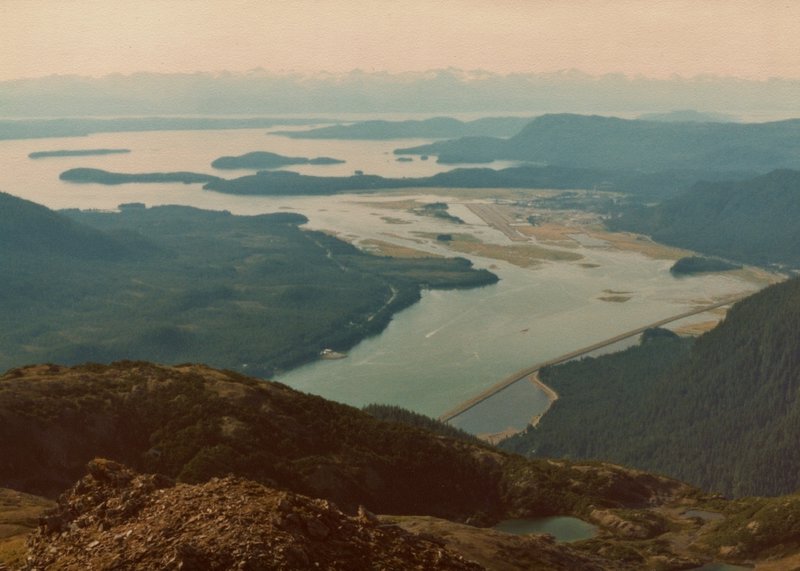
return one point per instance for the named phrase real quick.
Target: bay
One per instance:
(440, 351)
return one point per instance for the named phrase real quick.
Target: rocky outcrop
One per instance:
(115, 518)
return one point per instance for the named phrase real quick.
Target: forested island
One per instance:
(267, 160)
(640, 187)
(177, 284)
(699, 264)
(77, 153)
(100, 176)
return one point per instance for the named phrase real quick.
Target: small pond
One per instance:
(721, 567)
(704, 515)
(564, 529)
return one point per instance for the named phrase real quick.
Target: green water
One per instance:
(564, 529)
(704, 515)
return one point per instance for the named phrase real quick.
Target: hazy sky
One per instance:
(657, 38)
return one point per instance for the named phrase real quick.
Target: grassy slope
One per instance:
(19, 516)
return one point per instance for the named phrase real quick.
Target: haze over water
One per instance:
(434, 354)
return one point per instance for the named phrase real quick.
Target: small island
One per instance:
(77, 153)
(266, 160)
(438, 210)
(698, 264)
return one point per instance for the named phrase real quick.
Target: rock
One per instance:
(115, 518)
(317, 529)
(366, 516)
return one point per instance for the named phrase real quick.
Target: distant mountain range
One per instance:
(613, 143)
(82, 126)
(436, 91)
(436, 127)
(689, 116)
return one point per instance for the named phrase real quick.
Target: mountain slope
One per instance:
(613, 143)
(114, 518)
(193, 423)
(249, 292)
(27, 228)
(752, 220)
(243, 450)
(724, 415)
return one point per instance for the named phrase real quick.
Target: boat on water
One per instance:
(330, 354)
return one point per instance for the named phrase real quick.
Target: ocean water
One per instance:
(435, 354)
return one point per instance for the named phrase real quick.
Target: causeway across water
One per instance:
(527, 372)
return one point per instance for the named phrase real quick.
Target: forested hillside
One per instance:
(176, 284)
(193, 423)
(754, 220)
(29, 229)
(724, 415)
(613, 143)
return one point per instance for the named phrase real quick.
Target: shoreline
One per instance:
(552, 396)
(527, 372)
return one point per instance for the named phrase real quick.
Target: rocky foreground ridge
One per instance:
(192, 423)
(226, 466)
(114, 518)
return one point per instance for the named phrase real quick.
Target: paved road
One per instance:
(525, 373)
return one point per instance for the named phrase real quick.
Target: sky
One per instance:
(751, 39)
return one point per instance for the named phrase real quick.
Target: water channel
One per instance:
(442, 350)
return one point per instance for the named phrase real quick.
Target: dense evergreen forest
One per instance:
(753, 220)
(100, 176)
(193, 423)
(390, 413)
(177, 284)
(722, 412)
